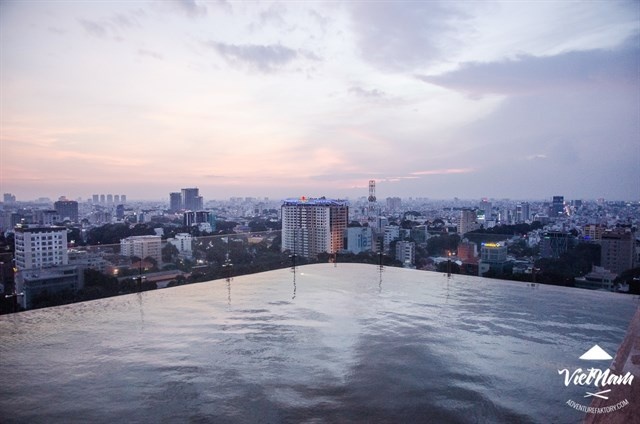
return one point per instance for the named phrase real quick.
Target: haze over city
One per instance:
(499, 99)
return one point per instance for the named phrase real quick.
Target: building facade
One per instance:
(39, 246)
(67, 210)
(493, 256)
(359, 239)
(191, 199)
(406, 253)
(468, 221)
(312, 226)
(143, 247)
(617, 252)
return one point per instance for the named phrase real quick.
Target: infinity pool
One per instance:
(326, 344)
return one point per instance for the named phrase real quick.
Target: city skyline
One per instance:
(439, 100)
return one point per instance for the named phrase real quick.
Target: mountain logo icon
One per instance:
(596, 353)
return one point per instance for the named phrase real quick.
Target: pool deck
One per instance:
(627, 359)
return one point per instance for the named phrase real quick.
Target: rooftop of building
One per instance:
(314, 201)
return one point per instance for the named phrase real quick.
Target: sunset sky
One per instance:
(468, 99)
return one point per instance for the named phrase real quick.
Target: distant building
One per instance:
(406, 253)
(522, 212)
(191, 200)
(85, 259)
(598, 279)
(467, 251)
(394, 204)
(95, 199)
(183, 242)
(175, 201)
(557, 207)
(123, 198)
(391, 233)
(554, 243)
(312, 226)
(493, 256)
(9, 198)
(48, 217)
(617, 250)
(34, 282)
(110, 199)
(116, 198)
(120, 212)
(40, 246)
(143, 247)
(102, 199)
(359, 239)
(593, 232)
(67, 209)
(468, 221)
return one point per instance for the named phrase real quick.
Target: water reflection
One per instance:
(339, 353)
(139, 296)
(293, 270)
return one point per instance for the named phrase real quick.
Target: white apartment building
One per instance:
(311, 226)
(142, 247)
(183, 242)
(406, 253)
(39, 246)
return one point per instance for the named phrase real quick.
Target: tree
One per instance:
(169, 253)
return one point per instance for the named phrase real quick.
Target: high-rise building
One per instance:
(617, 250)
(311, 226)
(557, 207)
(467, 251)
(391, 233)
(175, 201)
(116, 198)
(123, 198)
(191, 200)
(554, 243)
(468, 221)
(67, 209)
(9, 198)
(143, 247)
(183, 242)
(95, 198)
(40, 246)
(591, 232)
(522, 212)
(110, 199)
(394, 204)
(406, 252)
(493, 256)
(103, 199)
(120, 212)
(47, 217)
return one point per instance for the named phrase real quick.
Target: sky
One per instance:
(514, 99)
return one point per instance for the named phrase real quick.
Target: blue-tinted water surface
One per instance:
(337, 345)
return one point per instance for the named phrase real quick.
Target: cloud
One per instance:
(400, 36)
(446, 171)
(94, 28)
(536, 156)
(530, 74)
(361, 92)
(151, 54)
(190, 8)
(111, 26)
(264, 58)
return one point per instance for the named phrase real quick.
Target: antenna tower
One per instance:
(372, 200)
